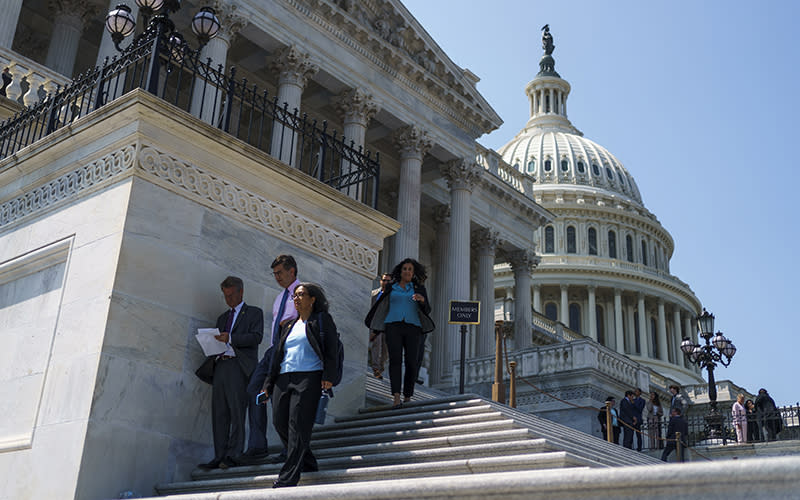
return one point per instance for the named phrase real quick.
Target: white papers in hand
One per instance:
(210, 345)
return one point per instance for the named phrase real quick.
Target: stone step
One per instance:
(479, 465)
(408, 414)
(403, 433)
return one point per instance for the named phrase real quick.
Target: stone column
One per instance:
(631, 329)
(69, 18)
(592, 313)
(523, 263)
(440, 302)
(643, 328)
(619, 334)
(676, 334)
(356, 108)
(485, 241)
(537, 298)
(461, 176)
(294, 68)
(663, 355)
(206, 97)
(564, 305)
(413, 143)
(8, 22)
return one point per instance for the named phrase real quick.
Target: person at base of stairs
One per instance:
(403, 313)
(304, 363)
(676, 424)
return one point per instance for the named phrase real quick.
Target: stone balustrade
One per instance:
(494, 163)
(559, 358)
(30, 81)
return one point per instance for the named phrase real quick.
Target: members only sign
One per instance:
(465, 312)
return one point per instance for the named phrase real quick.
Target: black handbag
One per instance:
(206, 371)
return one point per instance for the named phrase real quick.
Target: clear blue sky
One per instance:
(699, 101)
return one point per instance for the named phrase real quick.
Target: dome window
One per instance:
(581, 167)
(531, 165)
(564, 165)
(551, 311)
(592, 237)
(548, 165)
(612, 244)
(629, 247)
(601, 325)
(644, 252)
(609, 174)
(575, 317)
(572, 247)
(549, 240)
(595, 169)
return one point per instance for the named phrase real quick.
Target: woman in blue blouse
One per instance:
(303, 365)
(402, 312)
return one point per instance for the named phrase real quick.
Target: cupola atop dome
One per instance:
(552, 150)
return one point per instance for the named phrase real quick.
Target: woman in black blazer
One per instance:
(402, 311)
(303, 365)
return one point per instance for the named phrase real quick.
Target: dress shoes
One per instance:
(227, 463)
(253, 456)
(214, 464)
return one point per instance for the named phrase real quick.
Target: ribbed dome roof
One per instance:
(553, 156)
(553, 151)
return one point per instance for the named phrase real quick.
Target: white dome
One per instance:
(553, 156)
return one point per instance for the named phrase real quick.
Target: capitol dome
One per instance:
(604, 270)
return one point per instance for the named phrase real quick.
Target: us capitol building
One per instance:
(120, 216)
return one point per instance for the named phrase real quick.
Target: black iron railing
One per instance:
(175, 74)
(782, 424)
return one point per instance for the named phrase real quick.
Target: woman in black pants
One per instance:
(403, 313)
(302, 367)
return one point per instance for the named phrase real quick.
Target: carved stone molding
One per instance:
(441, 214)
(485, 241)
(230, 19)
(523, 260)
(412, 141)
(356, 106)
(294, 67)
(67, 186)
(265, 214)
(461, 174)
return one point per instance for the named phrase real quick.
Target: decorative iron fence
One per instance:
(167, 69)
(783, 424)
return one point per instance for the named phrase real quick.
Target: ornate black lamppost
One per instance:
(160, 30)
(717, 349)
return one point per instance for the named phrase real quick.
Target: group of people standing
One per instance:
(399, 318)
(756, 421)
(301, 362)
(634, 409)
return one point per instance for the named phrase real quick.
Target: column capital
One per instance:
(294, 67)
(356, 106)
(461, 173)
(412, 141)
(441, 214)
(231, 21)
(523, 260)
(485, 241)
(76, 13)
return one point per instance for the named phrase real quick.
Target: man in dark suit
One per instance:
(627, 415)
(377, 349)
(241, 328)
(676, 424)
(639, 403)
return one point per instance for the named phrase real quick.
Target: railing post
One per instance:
(154, 67)
(229, 100)
(679, 446)
(512, 385)
(609, 422)
(498, 389)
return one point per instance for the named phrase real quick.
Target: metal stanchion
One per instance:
(679, 446)
(498, 389)
(512, 385)
(609, 421)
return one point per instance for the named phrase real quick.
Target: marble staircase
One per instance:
(435, 438)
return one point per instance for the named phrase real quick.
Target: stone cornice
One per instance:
(395, 43)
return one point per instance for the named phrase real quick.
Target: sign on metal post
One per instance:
(465, 312)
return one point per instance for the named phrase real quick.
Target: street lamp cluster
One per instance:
(121, 22)
(717, 349)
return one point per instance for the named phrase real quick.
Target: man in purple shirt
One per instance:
(284, 269)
